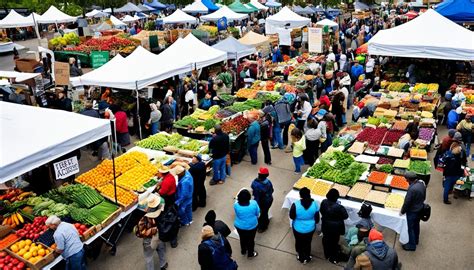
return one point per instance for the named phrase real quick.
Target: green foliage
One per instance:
(330, 3)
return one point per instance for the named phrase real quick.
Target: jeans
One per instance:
(76, 261)
(413, 223)
(266, 151)
(148, 252)
(448, 185)
(185, 212)
(303, 244)
(219, 169)
(247, 241)
(277, 137)
(253, 153)
(299, 161)
(155, 128)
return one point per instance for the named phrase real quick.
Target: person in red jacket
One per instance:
(121, 125)
(168, 187)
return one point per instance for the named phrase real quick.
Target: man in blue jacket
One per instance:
(262, 190)
(253, 139)
(184, 195)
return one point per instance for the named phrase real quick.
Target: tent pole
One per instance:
(138, 112)
(112, 154)
(36, 28)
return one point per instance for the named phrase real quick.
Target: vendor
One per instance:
(413, 127)
(68, 243)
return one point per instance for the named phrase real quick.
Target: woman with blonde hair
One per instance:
(154, 121)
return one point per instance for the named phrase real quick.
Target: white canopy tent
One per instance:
(116, 22)
(285, 18)
(54, 15)
(196, 7)
(96, 14)
(234, 49)
(430, 35)
(13, 19)
(18, 76)
(258, 5)
(327, 22)
(127, 18)
(224, 12)
(272, 3)
(180, 16)
(21, 153)
(128, 7)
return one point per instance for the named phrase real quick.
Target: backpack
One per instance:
(146, 228)
(444, 160)
(425, 213)
(168, 224)
(220, 258)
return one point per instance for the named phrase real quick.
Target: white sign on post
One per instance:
(284, 36)
(66, 168)
(315, 40)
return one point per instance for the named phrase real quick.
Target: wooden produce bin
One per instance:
(89, 233)
(111, 218)
(39, 264)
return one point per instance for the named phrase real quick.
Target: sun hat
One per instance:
(155, 205)
(263, 170)
(178, 170)
(164, 169)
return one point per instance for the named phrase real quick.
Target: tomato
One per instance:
(3, 254)
(15, 261)
(77, 225)
(83, 227)
(10, 265)
(1, 265)
(21, 265)
(15, 268)
(37, 236)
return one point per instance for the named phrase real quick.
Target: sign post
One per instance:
(61, 73)
(315, 40)
(66, 168)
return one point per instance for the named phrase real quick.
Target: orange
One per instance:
(14, 248)
(27, 255)
(28, 241)
(41, 252)
(32, 260)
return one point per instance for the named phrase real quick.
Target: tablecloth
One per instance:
(384, 217)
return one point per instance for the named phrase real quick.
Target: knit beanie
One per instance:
(375, 235)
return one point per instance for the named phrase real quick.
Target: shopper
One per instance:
(184, 195)
(265, 137)
(332, 215)
(365, 218)
(219, 226)
(167, 116)
(453, 117)
(283, 112)
(197, 169)
(454, 159)
(63, 102)
(262, 189)
(465, 127)
(219, 147)
(68, 243)
(412, 206)
(253, 139)
(147, 230)
(299, 145)
(337, 108)
(188, 106)
(121, 125)
(312, 136)
(155, 116)
(378, 256)
(167, 189)
(413, 128)
(215, 252)
(206, 102)
(302, 111)
(246, 222)
(305, 215)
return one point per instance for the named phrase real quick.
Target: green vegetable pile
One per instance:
(93, 216)
(373, 121)
(155, 142)
(387, 168)
(318, 169)
(84, 196)
(254, 103)
(349, 176)
(331, 175)
(187, 121)
(150, 183)
(240, 107)
(268, 96)
(48, 207)
(226, 97)
(343, 160)
(210, 123)
(420, 166)
(192, 145)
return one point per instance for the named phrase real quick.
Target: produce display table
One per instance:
(384, 217)
(123, 216)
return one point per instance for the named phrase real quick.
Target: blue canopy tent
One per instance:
(272, 3)
(154, 4)
(318, 10)
(171, 7)
(210, 5)
(457, 10)
(333, 11)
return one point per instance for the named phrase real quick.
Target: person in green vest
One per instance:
(226, 78)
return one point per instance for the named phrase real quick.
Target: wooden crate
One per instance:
(111, 218)
(39, 264)
(89, 233)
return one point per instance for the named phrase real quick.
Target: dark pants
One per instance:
(266, 151)
(253, 153)
(263, 220)
(199, 194)
(311, 152)
(247, 241)
(448, 184)
(285, 127)
(303, 244)
(300, 124)
(413, 223)
(76, 261)
(331, 246)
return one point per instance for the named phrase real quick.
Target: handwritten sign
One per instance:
(66, 168)
(315, 40)
(61, 73)
(99, 58)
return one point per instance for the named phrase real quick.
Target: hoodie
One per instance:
(381, 255)
(262, 191)
(218, 225)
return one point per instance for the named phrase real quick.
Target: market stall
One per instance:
(196, 7)
(224, 12)
(178, 17)
(234, 49)
(285, 18)
(54, 15)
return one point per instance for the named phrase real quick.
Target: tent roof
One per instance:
(297, 9)
(238, 7)
(458, 11)
(286, 16)
(155, 4)
(103, 26)
(251, 6)
(179, 16)
(145, 8)
(253, 39)
(196, 7)
(224, 12)
(308, 10)
(258, 5)
(128, 7)
(361, 6)
(272, 3)
(54, 15)
(96, 13)
(21, 153)
(327, 22)
(234, 49)
(116, 22)
(127, 18)
(18, 76)
(430, 35)
(210, 5)
(318, 9)
(13, 19)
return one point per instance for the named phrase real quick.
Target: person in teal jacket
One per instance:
(184, 195)
(246, 221)
(305, 216)
(253, 139)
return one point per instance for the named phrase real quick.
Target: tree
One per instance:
(83, 5)
(330, 3)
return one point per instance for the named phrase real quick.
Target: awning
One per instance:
(116, 22)
(18, 76)
(128, 7)
(96, 14)
(224, 12)
(258, 5)
(327, 22)
(128, 18)
(13, 19)
(179, 16)
(254, 39)
(285, 18)
(54, 15)
(234, 49)
(457, 10)
(33, 136)
(196, 7)
(238, 7)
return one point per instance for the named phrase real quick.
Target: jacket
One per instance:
(184, 191)
(382, 257)
(454, 165)
(205, 257)
(415, 197)
(198, 172)
(253, 133)
(167, 114)
(333, 216)
(219, 146)
(283, 111)
(304, 220)
(262, 191)
(265, 129)
(246, 216)
(121, 122)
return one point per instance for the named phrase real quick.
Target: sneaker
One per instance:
(212, 183)
(220, 182)
(406, 248)
(164, 266)
(447, 202)
(255, 254)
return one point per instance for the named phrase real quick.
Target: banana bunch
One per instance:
(13, 220)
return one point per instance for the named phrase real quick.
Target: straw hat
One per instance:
(155, 205)
(178, 170)
(164, 169)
